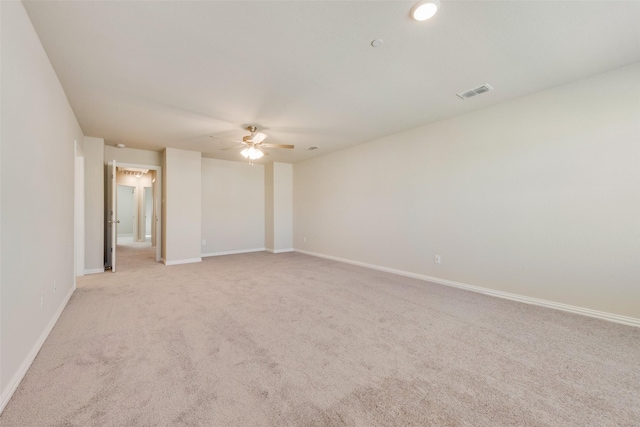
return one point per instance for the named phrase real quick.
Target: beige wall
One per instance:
(133, 156)
(182, 202)
(78, 208)
(268, 206)
(538, 197)
(232, 207)
(37, 194)
(133, 181)
(279, 205)
(94, 204)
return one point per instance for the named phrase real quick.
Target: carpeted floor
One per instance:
(292, 340)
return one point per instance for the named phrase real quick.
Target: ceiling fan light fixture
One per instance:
(252, 153)
(425, 9)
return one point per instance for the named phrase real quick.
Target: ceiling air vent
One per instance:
(473, 92)
(312, 147)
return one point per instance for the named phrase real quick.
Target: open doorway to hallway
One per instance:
(135, 233)
(135, 204)
(136, 194)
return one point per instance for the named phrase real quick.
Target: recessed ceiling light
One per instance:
(377, 43)
(424, 10)
(120, 145)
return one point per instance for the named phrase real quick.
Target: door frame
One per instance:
(157, 198)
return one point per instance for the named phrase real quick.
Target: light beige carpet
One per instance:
(291, 340)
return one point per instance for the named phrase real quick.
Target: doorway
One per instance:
(135, 202)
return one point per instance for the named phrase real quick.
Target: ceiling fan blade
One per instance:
(225, 139)
(259, 137)
(277, 146)
(235, 146)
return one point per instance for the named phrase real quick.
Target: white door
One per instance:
(112, 216)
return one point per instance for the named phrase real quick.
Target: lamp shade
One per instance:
(252, 153)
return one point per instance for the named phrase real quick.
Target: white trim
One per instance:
(13, 384)
(94, 271)
(611, 317)
(241, 251)
(279, 251)
(182, 261)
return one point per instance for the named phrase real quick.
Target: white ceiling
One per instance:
(168, 74)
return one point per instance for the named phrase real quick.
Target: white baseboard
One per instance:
(242, 251)
(182, 261)
(6, 394)
(625, 320)
(279, 251)
(94, 271)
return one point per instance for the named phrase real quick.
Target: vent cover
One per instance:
(473, 92)
(312, 147)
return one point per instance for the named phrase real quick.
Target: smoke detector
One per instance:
(476, 91)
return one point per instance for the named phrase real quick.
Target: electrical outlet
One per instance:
(41, 300)
(437, 259)
(304, 239)
(204, 242)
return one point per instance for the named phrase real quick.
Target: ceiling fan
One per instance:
(253, 144)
